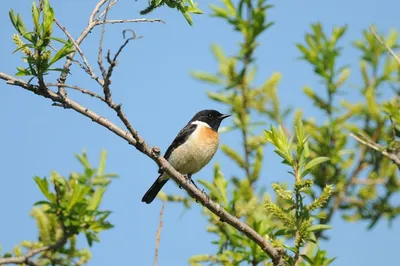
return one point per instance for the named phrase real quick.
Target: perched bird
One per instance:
(191, 150)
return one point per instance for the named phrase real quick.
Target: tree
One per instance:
(251, 226)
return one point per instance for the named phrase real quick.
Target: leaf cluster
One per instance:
(36, 44)
(71, 207)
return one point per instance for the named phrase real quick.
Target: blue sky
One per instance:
(152, 81)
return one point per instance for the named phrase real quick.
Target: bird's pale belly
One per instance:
(196, 152)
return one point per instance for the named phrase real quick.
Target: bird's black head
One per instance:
(210, 117)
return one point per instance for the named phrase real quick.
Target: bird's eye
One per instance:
(209, 115)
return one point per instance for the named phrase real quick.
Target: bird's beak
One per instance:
(224, 116)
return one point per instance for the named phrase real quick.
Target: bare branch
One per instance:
(115, 21)
(100, 54)
(113, 63)
(384, 44)
(87, 68)
(133, 138)
(96, 10)
(158, 234)
(91, 24)
(106, 11)
(77, 88)
(378, 148)
(367, 181)
(26, 258)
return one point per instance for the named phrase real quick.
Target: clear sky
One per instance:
(152, 80)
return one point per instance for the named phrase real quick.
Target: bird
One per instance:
(191, 150)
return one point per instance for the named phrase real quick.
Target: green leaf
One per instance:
(48, 17)
(319, 227)
(13, 18)
(188, 17)
(308, 259)
(91, 237)
(206, 77)
(64, 51)
(194, 10)
(219, 11)
(42, 202)
(218, 52)
(79, 191)
(102, 163)
(285, 232)
(230, 7)
(315, 162)
(231, 153)
(157, 2)
(35, 16)
(44, 188)
(60, 40)
(96, 198)
(23, 72)
(83, 160)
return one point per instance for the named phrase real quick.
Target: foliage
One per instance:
(70, 208)
(332, 173)
(184, 6)
(364, 181)
(37, 52)
(346, 169)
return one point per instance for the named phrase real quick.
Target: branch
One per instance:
(115, 21)
(134, 139)
(93, 22)
(384, 44)
(100, 53)
(87, 67)
(378, 148)
(86, 31)
(158, 234)
(108, 8)
(77, 88)
(26, 258)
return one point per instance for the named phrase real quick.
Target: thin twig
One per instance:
(113, 63)
(100, 54)
(384, 44)
(88, 68)
(86, 31)
(76, 62)
(158, 234)
(368, 181)
(105, 11)
(77, 88)
(26, 258)
(133, 138)
(378, 148)
(96, 10)
(138, 20)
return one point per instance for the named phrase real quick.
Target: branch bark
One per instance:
(378, 148)
(158, 234)
(27, 257)
(60, 98)
(134, 139)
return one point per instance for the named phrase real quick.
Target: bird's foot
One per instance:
(188, 178)
(205, 194)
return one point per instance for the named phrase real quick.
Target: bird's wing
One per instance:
(183, 135)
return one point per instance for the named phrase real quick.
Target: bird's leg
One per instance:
(189, 178)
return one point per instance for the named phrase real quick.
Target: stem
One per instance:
(243, 89)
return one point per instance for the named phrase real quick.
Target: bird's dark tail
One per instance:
(153, 190)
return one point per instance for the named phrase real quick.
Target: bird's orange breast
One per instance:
(196, 152)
